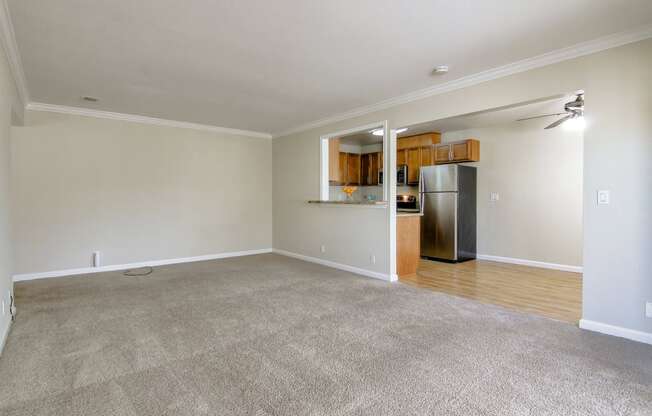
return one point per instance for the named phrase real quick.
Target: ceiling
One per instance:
(269, 66)
(494, 117)
(488, 118)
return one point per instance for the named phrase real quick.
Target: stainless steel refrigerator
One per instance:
(447, 194)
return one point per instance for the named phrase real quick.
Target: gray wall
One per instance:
(8, 106)
(617, 149)
(135, 192)
(538, 176)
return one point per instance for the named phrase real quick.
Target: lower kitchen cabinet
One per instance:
(408, 244)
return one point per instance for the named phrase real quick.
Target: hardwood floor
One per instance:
(552, 293)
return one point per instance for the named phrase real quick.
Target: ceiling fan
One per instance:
(572, 109)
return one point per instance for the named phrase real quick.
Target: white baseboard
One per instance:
(531, 263)
(153, 263)
(617, 331)
(340, 266)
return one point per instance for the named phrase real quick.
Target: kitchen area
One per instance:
(465, 226)
(435, 196)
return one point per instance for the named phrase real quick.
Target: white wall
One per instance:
(135, 192)
(538, 176)
(617, 149)
(8, 107)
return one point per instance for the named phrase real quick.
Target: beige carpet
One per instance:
(269, 335)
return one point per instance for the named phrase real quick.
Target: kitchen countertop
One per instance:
(351, 203)
(409, 214)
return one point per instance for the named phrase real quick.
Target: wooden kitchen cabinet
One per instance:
(353, 169)
(370, 165)
(420, 140)
(463, 151)
(414, 164)
(334, 170)
(401, 157)
(408, 244)
(343, 167)
(426, 156)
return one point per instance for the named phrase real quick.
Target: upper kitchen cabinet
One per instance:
(456, 152)
(416, 151)
(353, 169)
(420, 140)
(334, 163)
(414, 164)
(371, 163)
(343, 168)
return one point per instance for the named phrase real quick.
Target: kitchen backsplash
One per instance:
(369, 192)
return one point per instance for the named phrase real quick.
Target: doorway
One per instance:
(528, 207)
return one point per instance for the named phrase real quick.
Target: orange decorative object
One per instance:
(349, 190)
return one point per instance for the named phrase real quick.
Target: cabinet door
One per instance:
(334, 161)
(460, 151)
(442, 153)
(426, 156)
(401, 157)
(373, 169)
(414, 164)
(366, 167)
(466, 151)
(343, 167)
(353, 177)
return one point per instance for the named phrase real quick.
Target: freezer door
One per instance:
(442, 178)
(439, 225)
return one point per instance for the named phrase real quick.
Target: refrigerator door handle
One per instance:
(421, 188)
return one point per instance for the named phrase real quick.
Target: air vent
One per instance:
(90, 99)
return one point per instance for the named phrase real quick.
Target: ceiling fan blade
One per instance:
(560, 121)
(544, 115)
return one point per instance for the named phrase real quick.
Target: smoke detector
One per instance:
(440, 70)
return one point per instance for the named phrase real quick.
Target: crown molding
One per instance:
(88, 112)
(559, 55)
(8, 38)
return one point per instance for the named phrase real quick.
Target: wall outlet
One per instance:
(603, 197)
(372, 259)
(96, 259)
(494, 196)
(322, 248)
(648, 309)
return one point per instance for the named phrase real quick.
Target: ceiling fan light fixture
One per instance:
(577, 123)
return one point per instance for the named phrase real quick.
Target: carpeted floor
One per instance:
(268, 335)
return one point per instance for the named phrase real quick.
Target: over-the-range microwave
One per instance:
(401, 175)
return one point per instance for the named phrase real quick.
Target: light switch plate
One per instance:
(603, 197)
(648, 309)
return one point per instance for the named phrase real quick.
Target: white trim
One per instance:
(3, 340)
(616, 331)
(334, 265)
(531, 263)
(8, 37)
(389, 189)
(559, 55)
(88, 112)
(324, 168)
(153, 263)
